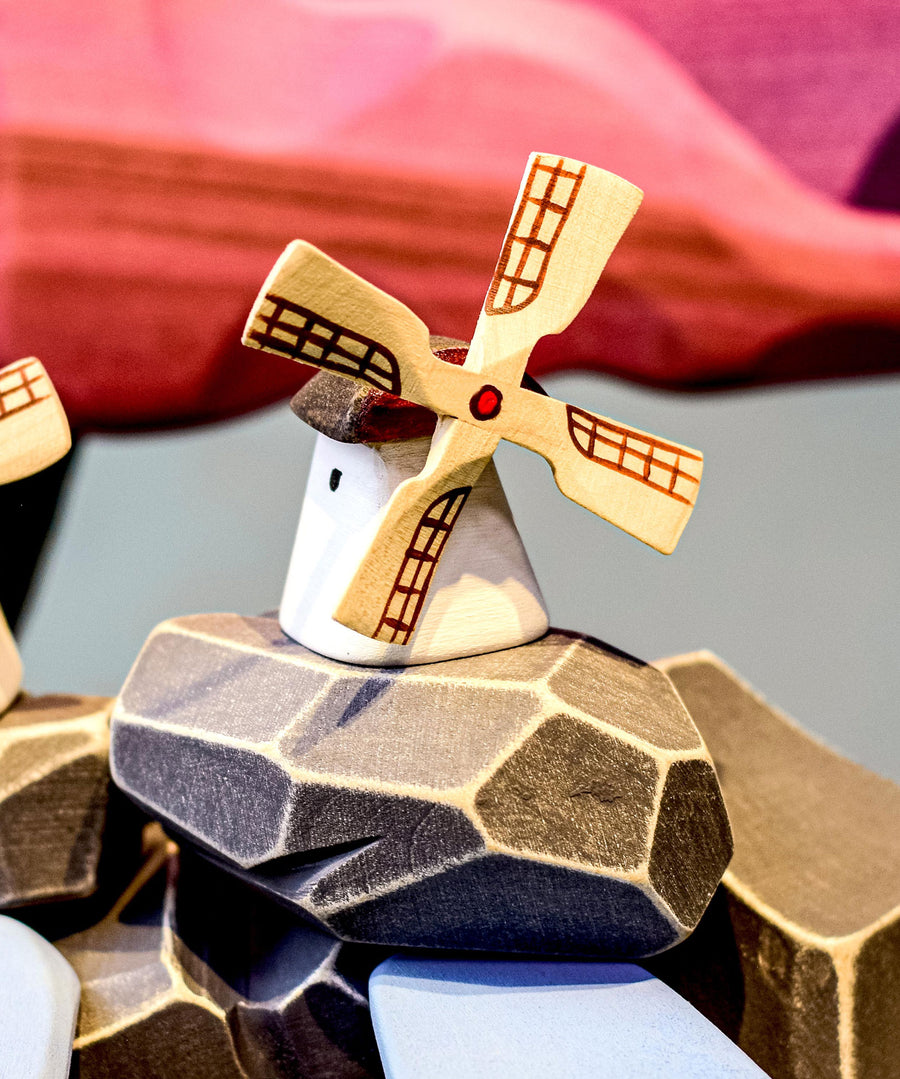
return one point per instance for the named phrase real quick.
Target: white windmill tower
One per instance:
(473, 589)
(568, 218)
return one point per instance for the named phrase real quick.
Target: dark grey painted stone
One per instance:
(556, 911)
(54, 788)
(230, 796)
(680, 858)
(503, 802)
(200, 975)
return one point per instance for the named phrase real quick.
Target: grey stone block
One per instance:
(551, 798)
(193, 973)
(54, 779)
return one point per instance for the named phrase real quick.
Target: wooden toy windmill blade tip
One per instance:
(34, 429)
(304, 276)
(289, 268)
(567, 220)
(643, 484)
(313, 310)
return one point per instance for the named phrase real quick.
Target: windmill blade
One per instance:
(385, 596)
(567, 220)
(34, 431)
(316, 311)
(645, 485)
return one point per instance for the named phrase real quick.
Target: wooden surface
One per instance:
(192, 974)
(39, 995)
(566, 222)
(553, 798)
(482, 596)
(54, 776)
(516, 1019)
(797, 960)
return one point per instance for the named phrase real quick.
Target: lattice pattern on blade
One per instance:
(549, 195)
(286, 328)
(21, 387)
(667, 468)
(404, 605)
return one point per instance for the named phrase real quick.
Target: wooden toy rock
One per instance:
(797, 958)
(192, 972)
(410, 758)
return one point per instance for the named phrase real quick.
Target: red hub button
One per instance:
(485, 404)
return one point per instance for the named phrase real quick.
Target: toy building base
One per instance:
(798, 957)
(553, 798)
(38, 1005)
(515, 1019)
(54, 780)
(193, 974)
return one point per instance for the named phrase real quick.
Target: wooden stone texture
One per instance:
(193, 974)
(553, 798)
(54, 780)
(798, 958)
(39, 994)
(523, 1019)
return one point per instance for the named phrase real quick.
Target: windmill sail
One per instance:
(547, 198)
(665, 466)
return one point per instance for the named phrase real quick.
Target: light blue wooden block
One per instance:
(39, 996)
(446, 1018)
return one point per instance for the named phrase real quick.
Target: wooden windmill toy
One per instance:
(567, 220)
(34, 433)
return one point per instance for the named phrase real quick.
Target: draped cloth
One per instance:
(157, 156)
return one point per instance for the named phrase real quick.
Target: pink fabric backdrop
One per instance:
(157, 156)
